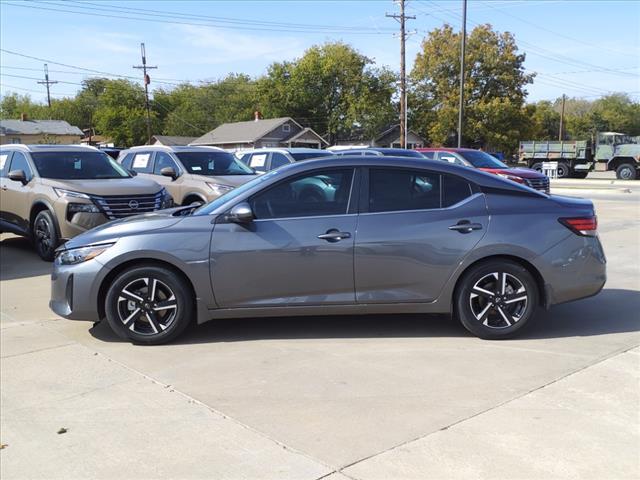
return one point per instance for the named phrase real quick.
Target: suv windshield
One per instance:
(297, 156)
(77, 166)
(213, 163)
(481, 159)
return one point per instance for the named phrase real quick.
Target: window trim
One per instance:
(352, 207)
(286, 128)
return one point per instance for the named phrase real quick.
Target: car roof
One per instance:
(49, 148)
(285, 150)
(445, 149)
(175, 148)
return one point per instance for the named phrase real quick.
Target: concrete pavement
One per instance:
(392, 396)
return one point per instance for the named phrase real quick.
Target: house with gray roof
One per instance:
(270, 132)
(171, 140)
(39, 131)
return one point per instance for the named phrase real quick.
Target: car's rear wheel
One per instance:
(496, 299)
(563, 170)
(149, 305)
(45, 236)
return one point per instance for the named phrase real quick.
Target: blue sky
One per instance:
(581, 48)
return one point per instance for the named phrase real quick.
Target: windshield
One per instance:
(213, 163)
(207, 208)
(481, 159)
(297, 156)
(77, 166)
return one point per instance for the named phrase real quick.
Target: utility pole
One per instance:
(47, 82)
(401, 18)
(560, 135)
(147, 80)
(462, 72)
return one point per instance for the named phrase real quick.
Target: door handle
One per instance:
(465, 226)
(334, 236)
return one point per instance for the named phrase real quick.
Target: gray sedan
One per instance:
(350, 235)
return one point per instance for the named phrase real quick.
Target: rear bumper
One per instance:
(575, 268)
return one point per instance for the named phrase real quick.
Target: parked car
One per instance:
(51, 193)
(190, 174)
(431, 237)
(478, 159)
(264, 160)
(379, 152)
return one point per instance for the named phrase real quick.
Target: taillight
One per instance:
(585, 226)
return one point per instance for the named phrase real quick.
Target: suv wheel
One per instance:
(626, 171)
(496, 299)
(149, 305)
(44, 234)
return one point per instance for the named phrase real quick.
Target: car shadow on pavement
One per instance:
(18, 259)
(612, 311)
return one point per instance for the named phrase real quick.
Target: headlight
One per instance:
(513, 178)
(166, 200)
(69, 193)
(82, 254)
(82, 207)
(220, 189)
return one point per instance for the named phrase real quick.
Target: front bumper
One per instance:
(74, 290)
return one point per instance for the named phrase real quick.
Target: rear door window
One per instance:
(278, 160)
(258, 162)
(450, 158)
(142, 162)
(5, 158)
(393, 190)
(454, 190)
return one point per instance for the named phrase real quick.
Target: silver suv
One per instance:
(264, 160)
(190, 174)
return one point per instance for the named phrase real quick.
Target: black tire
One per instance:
(45, 235)
(135, 316)
(537, 167)
(490, 316)
(563, 170)
(192, 201)
(626, 171)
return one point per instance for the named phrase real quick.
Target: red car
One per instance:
(483, 161)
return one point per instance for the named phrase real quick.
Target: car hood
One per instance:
(124, 227)
(106, 187)
(232, 180)
(518, 172)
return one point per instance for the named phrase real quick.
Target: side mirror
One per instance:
(241, 213)
(18, 176)
(169, 172)
(133, 172)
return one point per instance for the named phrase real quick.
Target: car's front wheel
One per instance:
(45, 236)
(496, 299)
(149, 305)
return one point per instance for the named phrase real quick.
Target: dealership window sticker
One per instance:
(141, 160)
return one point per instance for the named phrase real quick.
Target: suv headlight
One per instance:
(81, 254)
(220, 189)
(513, 178)
(166, 200)
(61, 192)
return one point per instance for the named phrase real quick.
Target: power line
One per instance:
(209, 24)
(34, 78)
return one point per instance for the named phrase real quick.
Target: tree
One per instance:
(13, 105)
(494, 92)
(121, 115)
(332, 88)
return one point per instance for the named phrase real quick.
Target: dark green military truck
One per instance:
(576, 158)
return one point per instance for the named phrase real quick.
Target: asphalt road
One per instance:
(374, 397)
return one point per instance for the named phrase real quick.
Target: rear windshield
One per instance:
(481, 159)
(77, 166)
(297, 156)
(213, 163)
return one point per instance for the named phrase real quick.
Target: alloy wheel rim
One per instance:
(498, 300)
(147, 306)
(43, 235)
